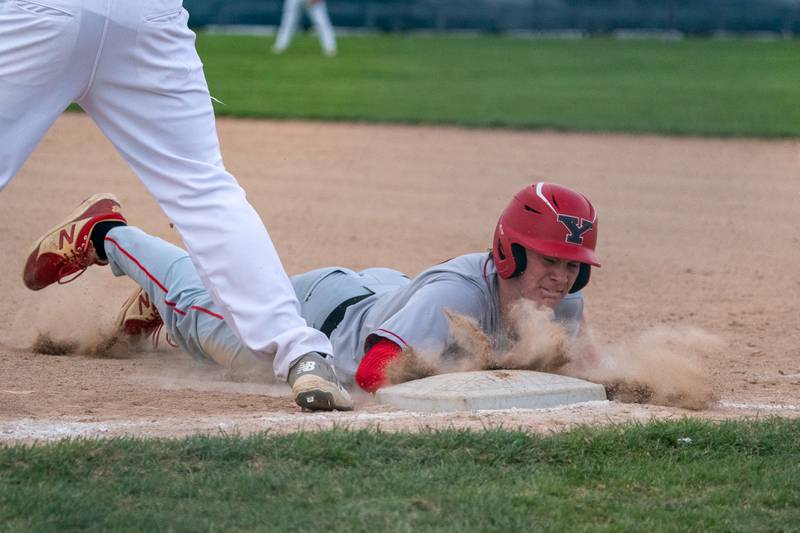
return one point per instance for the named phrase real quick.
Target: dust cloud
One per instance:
(78, 319)
(112, 344)
(662, 366)
(96, 344)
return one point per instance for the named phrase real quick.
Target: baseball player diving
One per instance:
(543, 250)
(133, 67)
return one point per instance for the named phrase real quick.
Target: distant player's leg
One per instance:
(151, 99)
(44, 64)
(290, 19)
(318, 12)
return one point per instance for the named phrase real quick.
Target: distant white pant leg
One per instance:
(43, 67)
(151, 99)
(322, 23)
(290, 19)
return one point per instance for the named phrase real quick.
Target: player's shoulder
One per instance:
(472, 265)
(466, 273)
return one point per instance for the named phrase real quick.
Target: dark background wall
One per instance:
(593, 16)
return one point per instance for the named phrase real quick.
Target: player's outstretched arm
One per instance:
(371, 373)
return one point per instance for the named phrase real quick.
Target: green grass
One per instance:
(731, 477)
(699, 87)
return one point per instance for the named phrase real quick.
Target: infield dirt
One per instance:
(698, 240)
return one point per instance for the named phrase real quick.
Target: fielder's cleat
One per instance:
(315, 386)
(67, 248)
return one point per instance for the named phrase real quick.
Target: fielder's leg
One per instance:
(151, 99)
(46, 56)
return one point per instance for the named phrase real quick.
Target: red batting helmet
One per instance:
(552, 220)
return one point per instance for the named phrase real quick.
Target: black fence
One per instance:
(701, 17)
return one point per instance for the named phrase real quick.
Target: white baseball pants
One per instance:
(290, 20)
(132, 65)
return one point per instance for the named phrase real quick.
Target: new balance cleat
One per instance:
(315, 386)
(66, 249)
(138, 316)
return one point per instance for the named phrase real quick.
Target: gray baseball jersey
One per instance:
(410, 313)
(386, 302)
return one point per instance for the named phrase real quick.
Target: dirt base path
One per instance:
(693, 234)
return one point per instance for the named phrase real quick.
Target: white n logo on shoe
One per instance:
(64, 236)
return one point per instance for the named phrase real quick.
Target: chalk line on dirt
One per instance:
(759, 406)
(49, 429)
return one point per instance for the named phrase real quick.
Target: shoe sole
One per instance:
(313, 393)
(77, 212)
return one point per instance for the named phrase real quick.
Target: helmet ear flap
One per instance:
(582, 279)
(520, 259)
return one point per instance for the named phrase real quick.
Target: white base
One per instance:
(490, 389)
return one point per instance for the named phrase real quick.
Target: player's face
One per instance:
(546, 280)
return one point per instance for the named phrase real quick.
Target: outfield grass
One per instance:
(731, 476)
(702, 87)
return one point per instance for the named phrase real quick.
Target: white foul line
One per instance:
(764, 406)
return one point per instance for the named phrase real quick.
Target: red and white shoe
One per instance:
(67, 249)
(138, 316)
